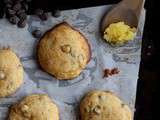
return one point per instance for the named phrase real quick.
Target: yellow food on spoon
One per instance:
(119, 33)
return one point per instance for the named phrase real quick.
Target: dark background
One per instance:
(147, 102)
(67, 4)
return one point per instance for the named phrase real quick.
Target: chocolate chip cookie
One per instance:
(63, 52)
(101, 105)
(34, 107)
(11, 72)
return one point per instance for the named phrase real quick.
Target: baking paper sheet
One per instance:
(67, 94)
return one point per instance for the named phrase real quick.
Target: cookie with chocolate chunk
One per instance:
(11, 72)
(101, 105)
(63, 52)
(34, 107)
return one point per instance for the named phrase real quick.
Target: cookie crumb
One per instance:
(106, 73)
(114, 71)
(110, 72)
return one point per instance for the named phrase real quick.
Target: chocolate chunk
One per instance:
(56, 13)
(22, 23)
(44, 16)
(38, 12)
(110, 72)
(37, 33)
(17, 7)
(106, 73)
(25, 6)
(8, 5)
(14, 20)
(20, 12)
(11, 12)
(22, 16)
(114, 71)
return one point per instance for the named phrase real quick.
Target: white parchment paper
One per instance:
(67, 94)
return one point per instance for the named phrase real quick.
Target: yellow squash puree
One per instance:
(119, 33)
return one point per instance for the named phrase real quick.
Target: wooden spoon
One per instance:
(127, 11)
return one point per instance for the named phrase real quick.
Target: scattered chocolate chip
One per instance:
(106, 73)
(11, 12)
(15, 11)
(38, 12)
(22, 23)
(17, 7)
(25, 6)
(37, 33)
(114, 71)
(22, 16)
(20, 12)
(43, 17)
(56, 13)
(14, 20)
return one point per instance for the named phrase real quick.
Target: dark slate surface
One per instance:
(149, 76)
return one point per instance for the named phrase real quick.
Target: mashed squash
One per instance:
(119, 33)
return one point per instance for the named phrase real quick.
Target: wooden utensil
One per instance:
(127, 11)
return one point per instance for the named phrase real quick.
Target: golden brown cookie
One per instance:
(34, 107)
(11, 72)
(63, 52)
(101, 105)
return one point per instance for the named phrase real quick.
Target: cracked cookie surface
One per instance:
(101, 105)
(63, 52)
(34, 107)
(11, 72)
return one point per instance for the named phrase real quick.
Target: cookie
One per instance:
(63, 52)
(101, 105)
(11, 72)
(34, 107)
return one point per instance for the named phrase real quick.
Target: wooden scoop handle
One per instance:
(135, 5)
